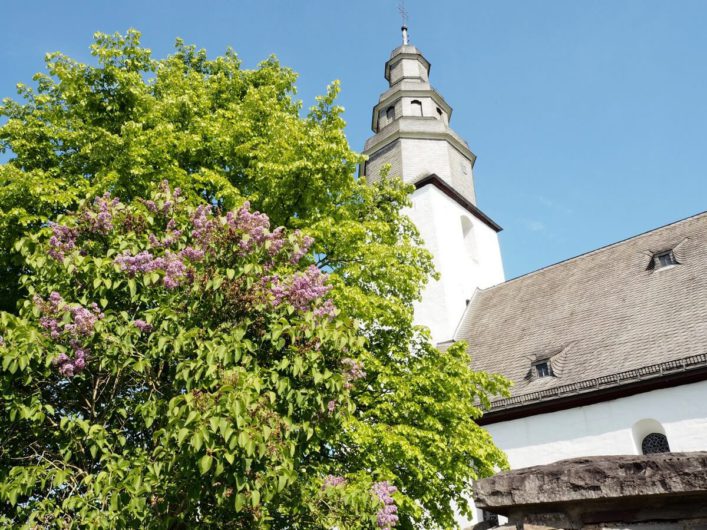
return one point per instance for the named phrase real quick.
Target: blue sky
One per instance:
(589, 118)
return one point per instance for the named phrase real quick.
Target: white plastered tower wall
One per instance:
(413, 136)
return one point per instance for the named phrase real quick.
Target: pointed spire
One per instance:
(404, 15)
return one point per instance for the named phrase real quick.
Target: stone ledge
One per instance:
(603, 489)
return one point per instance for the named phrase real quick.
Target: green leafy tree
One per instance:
(343, 413)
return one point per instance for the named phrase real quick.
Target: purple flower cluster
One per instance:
(79, 326)
(81, 323)
(301, 290)
(141, 262)
(100, 220)
(252, 229)
(63, 240)
(332, 481)
(254, 225)
(204, 225)
(171, 264)
(331, 406)
(150, 204)
(192, 254)
(143, 326)
(70, 367)
(326, 310)
(302, 249)
(353, 370)
(387, 517)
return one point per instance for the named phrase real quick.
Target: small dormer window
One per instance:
(416, 106)
(664, 259)
(542, 369)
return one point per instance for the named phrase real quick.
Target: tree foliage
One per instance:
(221, 377)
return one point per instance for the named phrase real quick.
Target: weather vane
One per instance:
(404, 16)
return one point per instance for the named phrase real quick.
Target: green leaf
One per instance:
(205, 464)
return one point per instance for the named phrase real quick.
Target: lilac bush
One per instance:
(201, 340)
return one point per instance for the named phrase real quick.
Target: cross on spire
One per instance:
(404, 16)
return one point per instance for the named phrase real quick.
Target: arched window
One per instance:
(469, 236)
(655, 442)
(649, 437)
(416, 107)
(440, 115)
(390, 113)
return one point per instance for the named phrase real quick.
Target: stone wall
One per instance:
(637, 492)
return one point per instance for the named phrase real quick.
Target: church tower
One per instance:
(412, 134)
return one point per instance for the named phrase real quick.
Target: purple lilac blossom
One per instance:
(327, 309)
(80, 325)
(63, 240)
(386, 517)
(204, 225)
(255, 226)
(302, 249)
(332, 481)
(141, 262)
(171, 264)
(303, 288)
(143, 326)
(150, 205)
(101, 220)
(192, 254)
(331, 406)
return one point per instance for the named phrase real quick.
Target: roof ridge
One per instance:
(600, 249)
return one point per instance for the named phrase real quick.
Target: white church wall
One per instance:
(607, 428)
(440, 221)
(614, 427)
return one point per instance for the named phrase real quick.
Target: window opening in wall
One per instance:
(390, 113)
(439, 113)
(416, 107)
(543, 369)
(655, 442)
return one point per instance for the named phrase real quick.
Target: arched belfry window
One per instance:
(655, 442)
(416, 107)
(390, 113)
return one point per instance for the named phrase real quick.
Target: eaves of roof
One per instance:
(653, 377)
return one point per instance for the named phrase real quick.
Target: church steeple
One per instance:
(412, 108)
(412, 134)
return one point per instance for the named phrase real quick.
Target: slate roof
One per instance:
(602, 318)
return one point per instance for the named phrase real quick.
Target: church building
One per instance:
(607, 351)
